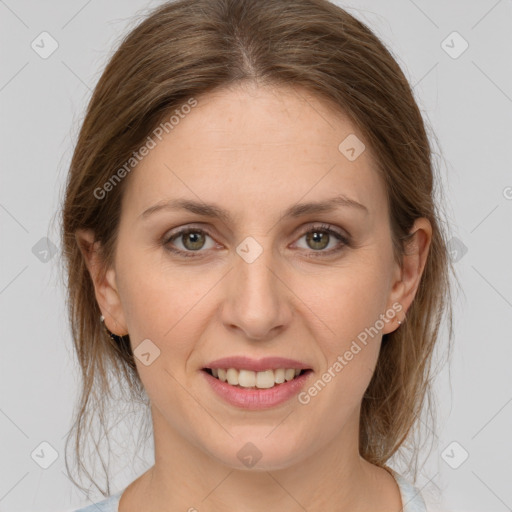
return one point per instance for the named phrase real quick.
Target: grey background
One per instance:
(467, 102)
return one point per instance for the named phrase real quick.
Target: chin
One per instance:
(256, 450)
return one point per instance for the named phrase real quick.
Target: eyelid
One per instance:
(324, 226)
(175, 232)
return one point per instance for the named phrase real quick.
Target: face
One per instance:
(266, 279)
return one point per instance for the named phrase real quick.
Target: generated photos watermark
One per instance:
(151, 143)
(342, 360)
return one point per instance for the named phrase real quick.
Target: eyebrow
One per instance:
(214, 211)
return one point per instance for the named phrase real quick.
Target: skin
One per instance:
(255, 151)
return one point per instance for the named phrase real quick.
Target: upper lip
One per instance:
(256, 365)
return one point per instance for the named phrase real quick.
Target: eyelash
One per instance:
(323, 228)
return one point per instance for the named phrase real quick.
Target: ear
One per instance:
(104, 280)
(407, 277)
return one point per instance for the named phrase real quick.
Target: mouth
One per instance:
(249, 379)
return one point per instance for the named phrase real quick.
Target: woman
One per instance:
(253, 247)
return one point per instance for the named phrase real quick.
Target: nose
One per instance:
(257, 301)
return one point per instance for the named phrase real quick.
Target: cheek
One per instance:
(155, 295)
(347, 299)
(349, 303)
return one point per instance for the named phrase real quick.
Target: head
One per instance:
(253, 108)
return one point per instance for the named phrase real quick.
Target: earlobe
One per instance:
(104, 282)
(395, 302)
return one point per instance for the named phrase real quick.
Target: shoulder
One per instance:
(110, 504)
(412, 500)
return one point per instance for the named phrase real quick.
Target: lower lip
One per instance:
(257, 399)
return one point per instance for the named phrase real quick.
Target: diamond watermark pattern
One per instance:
(44, 45)
(454, 45)
(249, 455)
(457, 249)
(249, 250)
(44, 250)
(455, 455)
(146, 352)
(44, 455)
(351, 147)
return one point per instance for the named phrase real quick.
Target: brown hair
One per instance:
(188, 48)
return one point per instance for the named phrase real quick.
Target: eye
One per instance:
(191, 239)
(319, 237)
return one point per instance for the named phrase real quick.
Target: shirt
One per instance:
(412, 501)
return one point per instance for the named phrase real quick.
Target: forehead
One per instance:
(257, 147)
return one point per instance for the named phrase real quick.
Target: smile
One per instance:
(255, 380)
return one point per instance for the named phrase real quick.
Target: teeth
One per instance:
(261, 380)
(279, 376)
(232, 376)
(264, 380)
(246, 379)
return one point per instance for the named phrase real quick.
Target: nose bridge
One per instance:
(253, 268)
(257, 300)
